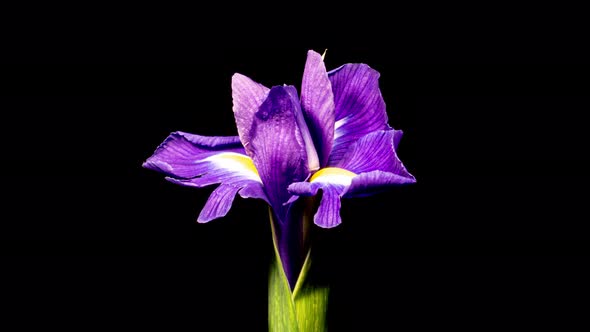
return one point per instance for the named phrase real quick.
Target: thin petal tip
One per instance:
(407, 179)
(291, 200)
(327, 225)
(157, 165)
(203, 220)
(237, 78)
(315, 54)
(148, 164)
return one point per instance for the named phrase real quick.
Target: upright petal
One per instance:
(313, 162)
(277, 146)
(359, 106)
(374, 152)
(317, 102)
(198, 161)
(247, 97)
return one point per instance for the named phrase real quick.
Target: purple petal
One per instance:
(359, 106)
(374, 152)
(304, 188)
(198, 161)
(253, 190)
(222, 197)
(277, 146)
(247, 97)
(219, 203)
(177, 155)
(313, 162)
(328, 213)
(317, 102)
(366, 184)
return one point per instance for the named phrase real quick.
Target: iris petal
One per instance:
(374, 152)
(317, 103)
(198, 161)
(359, 106)
(219, 203)
(176, 156)
(328, 213)
(370, 165)
(366, 184)
(247, 97)
(277, 146)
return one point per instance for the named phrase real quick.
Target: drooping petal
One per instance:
(277, 146)
(317, 102)
(247, 97)
(359, 106)
(366, 184)
(337, 183)
(328, 213)
(198, 161)
(177, 155)
(236, 174)
(374, 152)
(222, 197)
(219, 203)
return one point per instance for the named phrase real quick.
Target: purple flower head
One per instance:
(335, 138)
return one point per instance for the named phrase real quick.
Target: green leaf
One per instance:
(304, 309)
(311, 300)
(281, 308)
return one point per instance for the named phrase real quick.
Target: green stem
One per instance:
(304, 309)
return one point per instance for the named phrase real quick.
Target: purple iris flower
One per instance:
(334, 138)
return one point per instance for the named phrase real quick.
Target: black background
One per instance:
(494, 232)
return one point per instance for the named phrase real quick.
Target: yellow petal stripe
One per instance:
(333, 175)
(236, 162)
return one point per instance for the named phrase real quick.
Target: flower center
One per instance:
(334, 175)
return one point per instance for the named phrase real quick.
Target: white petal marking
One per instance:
(235, 162)
(338, 125)
(333, 175)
